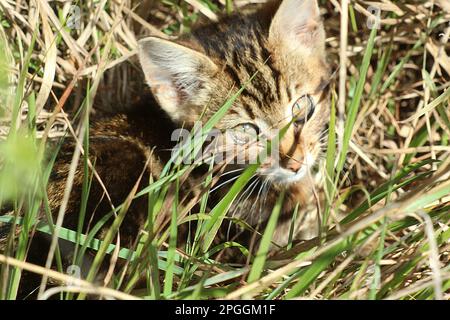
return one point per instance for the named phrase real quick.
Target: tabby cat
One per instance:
(277, 55)
(281, 48)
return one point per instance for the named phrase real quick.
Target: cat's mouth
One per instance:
(274, 173)
(283, 176)
(277, 174)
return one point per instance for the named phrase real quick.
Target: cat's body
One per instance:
(282, 47)
(124, 148)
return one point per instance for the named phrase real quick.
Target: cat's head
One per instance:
(282, 49)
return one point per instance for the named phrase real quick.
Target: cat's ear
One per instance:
(178, 76)
(297, 25)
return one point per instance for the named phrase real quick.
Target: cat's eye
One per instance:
(303, 109)
(245, 133)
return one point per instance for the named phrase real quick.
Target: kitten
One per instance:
(281, 48)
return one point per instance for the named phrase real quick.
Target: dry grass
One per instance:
(403, 119)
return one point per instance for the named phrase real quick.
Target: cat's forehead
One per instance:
(243, 34)
(273, 89)
(270, 77)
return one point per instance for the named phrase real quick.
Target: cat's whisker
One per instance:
(269, 185)
(234, 208)
(264, 186)
(324, 135)
(255, 201)
(250, 194)
(223, 184)
(232, 171)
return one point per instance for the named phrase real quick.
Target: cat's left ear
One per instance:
(297, 25)
(177, 75)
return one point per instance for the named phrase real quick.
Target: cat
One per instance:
(282, 47)
(276, 56)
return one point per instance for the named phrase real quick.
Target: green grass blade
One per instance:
(261, 256)
(354, 105)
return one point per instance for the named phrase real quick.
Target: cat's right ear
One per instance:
(297, 26)
(178, 76)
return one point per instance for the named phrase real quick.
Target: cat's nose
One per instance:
(294, 165)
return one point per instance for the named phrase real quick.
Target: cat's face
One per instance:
(282, 50)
